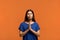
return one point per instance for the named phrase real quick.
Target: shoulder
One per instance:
(36, 23)
(22, 23)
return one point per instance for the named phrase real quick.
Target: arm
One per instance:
(36, 33)
(23, 33)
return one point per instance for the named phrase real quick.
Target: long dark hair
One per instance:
(26, 18)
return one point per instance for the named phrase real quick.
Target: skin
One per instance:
(29, 15)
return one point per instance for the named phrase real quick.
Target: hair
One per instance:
(26, 18)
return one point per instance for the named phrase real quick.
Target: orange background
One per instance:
(47, 14)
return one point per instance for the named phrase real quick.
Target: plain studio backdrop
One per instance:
(47, 14)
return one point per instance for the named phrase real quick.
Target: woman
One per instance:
(29, 29)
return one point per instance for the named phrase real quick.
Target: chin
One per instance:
(30, 18)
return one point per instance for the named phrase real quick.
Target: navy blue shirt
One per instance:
(29, 35)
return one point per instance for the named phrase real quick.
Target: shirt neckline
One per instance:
(27, 23)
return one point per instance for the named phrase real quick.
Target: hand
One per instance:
(29, 25)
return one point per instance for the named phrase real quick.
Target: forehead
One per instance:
(29, 12)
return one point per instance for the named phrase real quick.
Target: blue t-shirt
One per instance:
(29, 35)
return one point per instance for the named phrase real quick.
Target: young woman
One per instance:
(29, 29)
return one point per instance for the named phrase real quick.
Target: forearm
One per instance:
(23, 33)
(36, 33)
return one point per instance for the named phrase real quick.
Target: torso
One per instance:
(29, 35)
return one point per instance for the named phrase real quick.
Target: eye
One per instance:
(31, 14)
(27, 15)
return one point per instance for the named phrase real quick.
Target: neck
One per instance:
(29, 20)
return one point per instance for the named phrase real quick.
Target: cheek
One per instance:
(31, 16)
(28, 15)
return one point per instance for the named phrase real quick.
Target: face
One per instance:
(30, 15)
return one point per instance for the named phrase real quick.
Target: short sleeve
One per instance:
(21, 27)
(37, 27)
